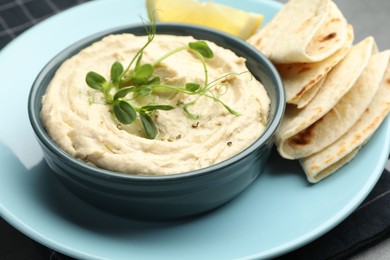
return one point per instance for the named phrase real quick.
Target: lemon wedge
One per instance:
(225, 18)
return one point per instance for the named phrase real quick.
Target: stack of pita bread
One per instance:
(338, 91)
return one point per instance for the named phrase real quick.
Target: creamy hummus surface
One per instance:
(79, 121)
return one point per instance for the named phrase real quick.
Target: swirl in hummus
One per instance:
(78, 120)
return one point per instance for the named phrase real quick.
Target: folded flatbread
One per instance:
(299, 78)
(337, 83)
(302, 31)
(343, 116)
(308, 96)
(324, 163)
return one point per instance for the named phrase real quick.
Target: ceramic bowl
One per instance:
(163, 197)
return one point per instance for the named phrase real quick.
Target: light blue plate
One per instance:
(278, 213)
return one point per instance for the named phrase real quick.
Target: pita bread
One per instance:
(334, 167)
(310, 94)
(299, 78)
(337, 83)
(324, 163)
(347, 111)
(302, 31)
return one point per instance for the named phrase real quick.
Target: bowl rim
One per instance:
(45, 139)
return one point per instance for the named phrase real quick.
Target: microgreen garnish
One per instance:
(138, 80)
(202, 48)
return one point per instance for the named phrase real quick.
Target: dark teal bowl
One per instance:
(163, 197)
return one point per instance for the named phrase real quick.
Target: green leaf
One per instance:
(188, 113)
(149, 126)
(95, 80)
(144, 90)
(116, 72)
(202, 48)
(154, 81)
(157, 107)
(123, 92)
(193, 87)
(142, 73)
(124, 112)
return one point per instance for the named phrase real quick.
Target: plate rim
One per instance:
(281, 249)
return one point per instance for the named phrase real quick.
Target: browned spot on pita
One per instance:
(329, 159)
(319, 76)
(377, 119)
(303, 90)
(258, 41)
(342, 149)
(304, 25)
(315, 167)
(334, 20)
(388, 81)
(304, 137)
(328, 37)
(307, 86)
(357, 137)
(303, 69)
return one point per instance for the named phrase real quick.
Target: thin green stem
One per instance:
(156, 62)
(151, 32)
(107, 95)
(232, 111)
(206, 77)
(174, 88)
(128, 76)
(212, 83)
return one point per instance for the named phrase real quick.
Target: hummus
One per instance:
(78, 120)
